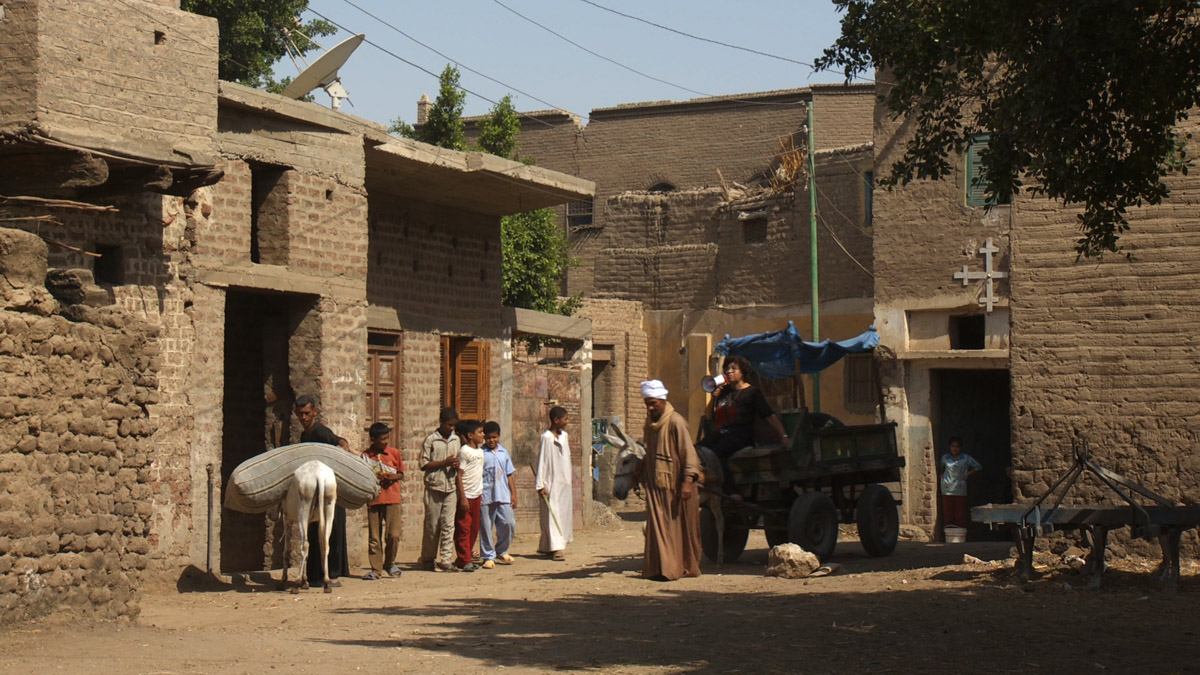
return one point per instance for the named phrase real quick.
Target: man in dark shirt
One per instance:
(339, 561)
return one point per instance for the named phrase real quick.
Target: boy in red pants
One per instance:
(470, 489)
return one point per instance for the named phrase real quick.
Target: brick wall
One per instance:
(324, 233)
(1106, 348)
(439, 269)
(636, 146)
(76, 479)
(617, 324)
(140, 72)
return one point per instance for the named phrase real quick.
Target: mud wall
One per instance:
(76, 478)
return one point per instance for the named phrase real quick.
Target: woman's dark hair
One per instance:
(742, 364)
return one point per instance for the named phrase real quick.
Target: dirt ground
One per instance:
(920, 610)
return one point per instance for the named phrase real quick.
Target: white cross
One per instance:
(986, 275)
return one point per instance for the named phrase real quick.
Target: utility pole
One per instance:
(812, 238)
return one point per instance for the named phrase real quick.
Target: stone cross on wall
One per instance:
(989, 298)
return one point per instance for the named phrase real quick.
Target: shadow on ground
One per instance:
(994, 625)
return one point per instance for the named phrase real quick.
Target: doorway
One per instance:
(974, 405)
(262, 330)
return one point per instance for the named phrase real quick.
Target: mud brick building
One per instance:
(1045, 349)
(192, 255)
(678, 227)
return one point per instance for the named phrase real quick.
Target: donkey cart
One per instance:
(828, 474)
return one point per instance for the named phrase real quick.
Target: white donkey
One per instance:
(630, 454)
(310, 499)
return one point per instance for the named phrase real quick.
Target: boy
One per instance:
(499, 500)
(439, 461)
(553, 483)
(389, 466)
(470, 489)
(956, 467)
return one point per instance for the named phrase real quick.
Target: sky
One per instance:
(543, 71)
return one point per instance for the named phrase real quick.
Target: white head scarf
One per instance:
(654, 389)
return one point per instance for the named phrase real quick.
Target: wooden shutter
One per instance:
(976, 185)
(447, 383)
(472, 365)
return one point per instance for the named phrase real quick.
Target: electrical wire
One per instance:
(622, 65)
(423, 69)
(459, 63)
(697, 37)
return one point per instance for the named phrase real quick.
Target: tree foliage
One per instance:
(444, 127)
(253, 36)
(1081, 99)
(499, 128)
(536, 255)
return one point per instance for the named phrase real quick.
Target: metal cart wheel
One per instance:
(878, 521)
(736, 534)
(813, 524)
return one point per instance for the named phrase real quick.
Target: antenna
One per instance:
(324, 73)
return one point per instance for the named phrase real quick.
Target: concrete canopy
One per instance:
(472, 181)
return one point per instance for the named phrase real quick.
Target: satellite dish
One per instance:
(324, 73)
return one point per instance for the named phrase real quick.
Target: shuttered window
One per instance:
(466, 366)
(977, 185)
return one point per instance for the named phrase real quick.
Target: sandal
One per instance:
(370, 576)
(558, 556)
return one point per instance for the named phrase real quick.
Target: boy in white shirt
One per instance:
(470, 489)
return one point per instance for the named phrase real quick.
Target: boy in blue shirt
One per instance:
(499, 500)
(956, 467)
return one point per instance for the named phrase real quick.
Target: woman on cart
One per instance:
(734, 407)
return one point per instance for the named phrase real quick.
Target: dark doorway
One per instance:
(260, 329)
(974, 405)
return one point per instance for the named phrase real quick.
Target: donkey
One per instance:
(310, 499)
(629, 456)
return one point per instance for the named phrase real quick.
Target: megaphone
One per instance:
(710, 383)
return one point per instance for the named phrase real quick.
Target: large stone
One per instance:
(791, 562)
(22, 259)
(76, 287)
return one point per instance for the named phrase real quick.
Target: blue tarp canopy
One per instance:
(773, 354)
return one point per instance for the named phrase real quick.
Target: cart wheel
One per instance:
(736, 534)
(878, 522)
(813, 524)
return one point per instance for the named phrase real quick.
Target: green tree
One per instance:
(254, 36)
(535, 255)
(1081, 99)
(499, 128)
(444, 127)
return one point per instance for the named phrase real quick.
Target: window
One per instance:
(977, 187)
(967, 332)
(579, 214)
(868, 198)
(860, 391)
(383, 369)
(268, 214)
(466, 370)
(109, 268)
(754, 230)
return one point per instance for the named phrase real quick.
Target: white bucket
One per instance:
(955, 534)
